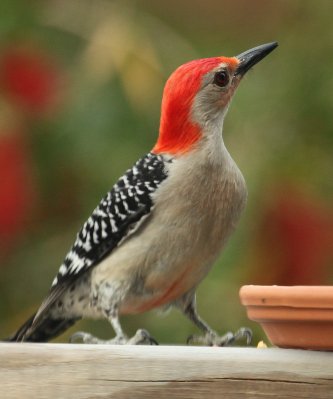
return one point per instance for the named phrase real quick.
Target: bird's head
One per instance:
(197, 95)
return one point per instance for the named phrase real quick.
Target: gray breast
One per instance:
(196, 210)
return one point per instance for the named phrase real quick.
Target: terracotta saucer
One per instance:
(292, 317)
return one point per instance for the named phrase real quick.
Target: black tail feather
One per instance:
(44, 331)
(17, 336)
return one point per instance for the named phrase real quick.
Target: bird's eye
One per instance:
(221, 78)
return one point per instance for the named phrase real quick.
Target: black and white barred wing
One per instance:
(119, 213)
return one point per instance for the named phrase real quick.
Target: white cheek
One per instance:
(209, 106)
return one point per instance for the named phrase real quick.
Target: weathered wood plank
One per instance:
(90, 371)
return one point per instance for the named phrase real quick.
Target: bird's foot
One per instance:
(87, 338)
(141, 337)
(213, 339)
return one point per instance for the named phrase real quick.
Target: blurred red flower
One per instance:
(296, 237)
(30, 78)
(17, 194)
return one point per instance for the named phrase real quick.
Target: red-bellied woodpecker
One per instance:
(155, 235)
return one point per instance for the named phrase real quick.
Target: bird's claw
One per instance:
(141, 337)
(212, 339)
(244, 332)
(87, 338)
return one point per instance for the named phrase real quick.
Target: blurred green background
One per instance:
(80, 90)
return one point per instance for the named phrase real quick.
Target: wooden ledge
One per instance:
(134, 372)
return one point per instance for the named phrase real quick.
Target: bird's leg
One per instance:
(210, 337)
(141, 336)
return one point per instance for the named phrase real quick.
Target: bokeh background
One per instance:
(80, 91)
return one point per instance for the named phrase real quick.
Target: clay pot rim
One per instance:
(289, 296)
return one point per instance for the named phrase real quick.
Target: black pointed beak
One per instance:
(251, 57)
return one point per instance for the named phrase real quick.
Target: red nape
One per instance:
(178, 133)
